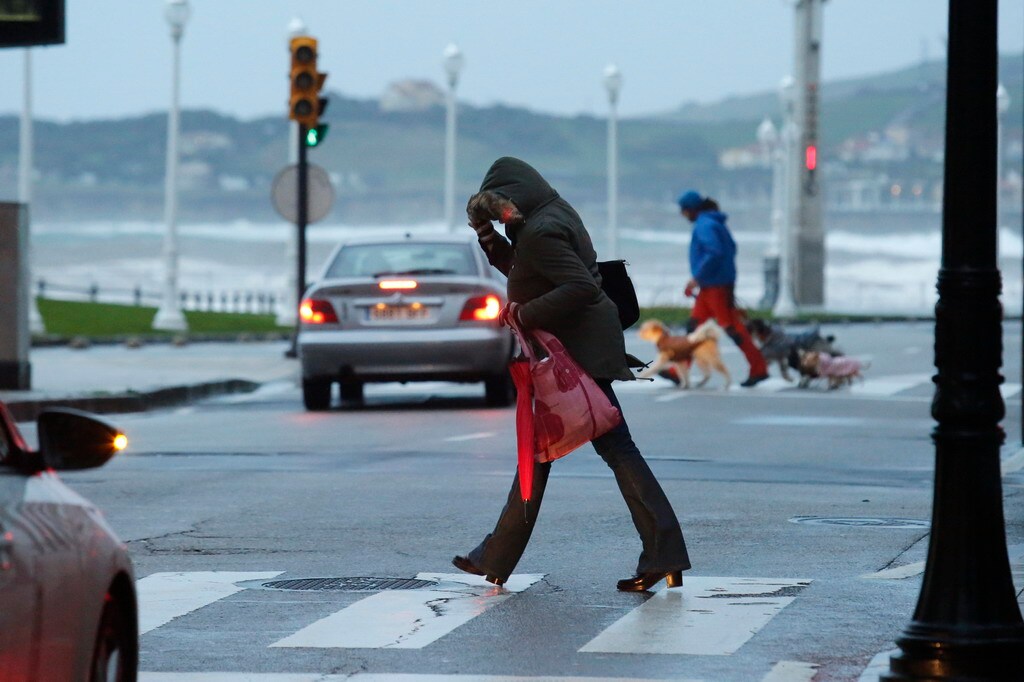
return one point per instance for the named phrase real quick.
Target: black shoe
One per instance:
(642, 582)
(754, 381)
(465, 564)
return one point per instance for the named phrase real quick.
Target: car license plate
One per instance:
(399, 313)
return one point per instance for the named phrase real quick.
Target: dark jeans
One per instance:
(663, 547)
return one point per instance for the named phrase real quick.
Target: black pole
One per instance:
(967, 625)
(301, 218)
(302, 212)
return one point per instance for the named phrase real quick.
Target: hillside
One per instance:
(388, 165)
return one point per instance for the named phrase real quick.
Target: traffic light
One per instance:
(305, 104)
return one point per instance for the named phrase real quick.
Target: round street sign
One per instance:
(319, 193)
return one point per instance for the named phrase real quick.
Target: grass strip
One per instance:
(92, 320)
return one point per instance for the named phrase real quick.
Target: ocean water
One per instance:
(893, 273)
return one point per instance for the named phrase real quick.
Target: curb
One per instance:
(28, 410)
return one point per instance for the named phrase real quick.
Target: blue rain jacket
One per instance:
(712, 251)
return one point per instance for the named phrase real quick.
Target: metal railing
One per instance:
(252, 302)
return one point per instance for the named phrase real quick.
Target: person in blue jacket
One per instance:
(713, 278)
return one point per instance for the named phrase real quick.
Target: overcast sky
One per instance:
(547, 55)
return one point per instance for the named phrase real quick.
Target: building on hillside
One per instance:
(411, 95)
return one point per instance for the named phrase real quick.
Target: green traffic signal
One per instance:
(315, 136)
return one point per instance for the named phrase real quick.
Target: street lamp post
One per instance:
(25, 157)
(1002, 106)
(613, 84)
(785, 307)
(967, 624)
(768, 138)
(453, 61)
(288, 310)
(169, 315)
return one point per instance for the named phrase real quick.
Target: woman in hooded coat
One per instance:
(552, 274)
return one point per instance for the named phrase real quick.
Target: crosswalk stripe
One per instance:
(888, 385)
(166, 596)
(706, 616)
(373, 677)
(408, 619)
(898, 572)
(1009, 390)
(791, 671)
(878, 665)
(470, 436)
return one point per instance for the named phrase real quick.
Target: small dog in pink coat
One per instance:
(839, 370)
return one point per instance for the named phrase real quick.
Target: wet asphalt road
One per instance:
(253, 484)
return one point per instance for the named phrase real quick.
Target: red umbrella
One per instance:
(521, 377)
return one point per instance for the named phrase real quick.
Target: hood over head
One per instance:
(519, 182)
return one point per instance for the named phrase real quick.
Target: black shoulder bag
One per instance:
(619, 287)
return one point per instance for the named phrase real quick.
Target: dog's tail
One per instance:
(706, 331)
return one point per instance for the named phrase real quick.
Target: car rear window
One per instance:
(379, 260)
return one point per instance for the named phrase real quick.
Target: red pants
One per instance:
(717, 303)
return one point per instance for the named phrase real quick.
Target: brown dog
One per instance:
(700, 346)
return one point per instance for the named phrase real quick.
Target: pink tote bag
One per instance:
(569, 409)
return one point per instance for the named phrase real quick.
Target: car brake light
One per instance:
(481, 308)
(398, 284)
(316, 311)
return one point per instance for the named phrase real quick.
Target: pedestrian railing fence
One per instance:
(237, 301)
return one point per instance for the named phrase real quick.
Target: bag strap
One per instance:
(526, 338)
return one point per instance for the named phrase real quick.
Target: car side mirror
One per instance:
(72, 439)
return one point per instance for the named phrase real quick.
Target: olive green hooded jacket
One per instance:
(552, 271)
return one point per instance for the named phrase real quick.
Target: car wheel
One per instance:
(115, 656)
(316, 394)
(499, 391)
(351, 392)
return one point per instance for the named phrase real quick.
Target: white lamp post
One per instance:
(25, 154)
(1002, 106)
(169, 315)
(784, 304)
(613, 83)
(768, 138)
(453, 61)
(287, 310)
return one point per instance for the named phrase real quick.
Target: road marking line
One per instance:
(671, 396)
(471, 436)
(897, 572)
(166, 596)
(771, 385)
(878, 665)
(1013, 464)
(408, 619)
(372, 677)
(801, 420)
(888, 385)
(1009, 390)
(791, 671)
(706, 617)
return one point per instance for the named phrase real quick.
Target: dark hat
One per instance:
(690, 199)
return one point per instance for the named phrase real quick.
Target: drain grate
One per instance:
(358, 584)
(860, 522)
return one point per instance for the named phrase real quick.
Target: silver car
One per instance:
(405, 308)
(67, 589)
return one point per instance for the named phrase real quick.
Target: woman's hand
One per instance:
(509, 316)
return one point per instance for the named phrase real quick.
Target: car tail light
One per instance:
(481, 308)
(317, 311)
(389, 284)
